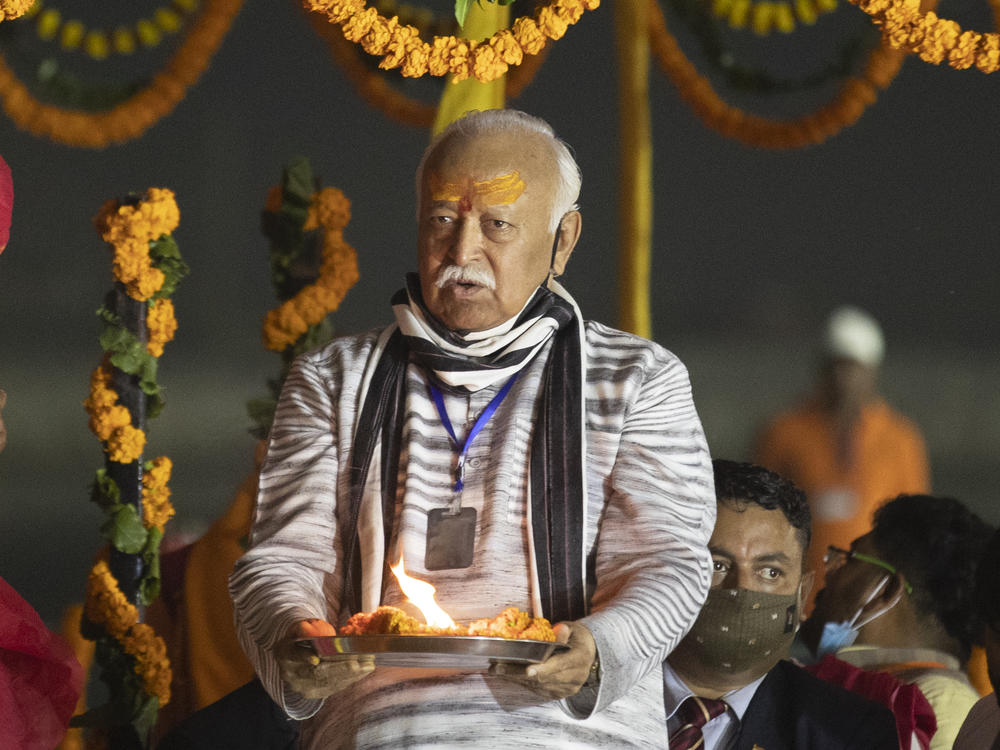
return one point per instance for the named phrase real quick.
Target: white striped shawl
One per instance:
(651, 510)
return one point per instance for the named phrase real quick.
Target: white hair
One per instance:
(501, 121)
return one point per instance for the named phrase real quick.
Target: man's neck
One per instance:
(707, 684)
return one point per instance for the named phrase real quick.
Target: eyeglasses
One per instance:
(837, 556)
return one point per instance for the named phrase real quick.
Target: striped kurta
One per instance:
(650, 512)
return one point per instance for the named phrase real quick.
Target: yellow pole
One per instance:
(481, 22)
(636, 191)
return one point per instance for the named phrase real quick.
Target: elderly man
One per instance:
(510, 453)
(728, 684)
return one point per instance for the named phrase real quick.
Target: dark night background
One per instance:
(752, 248)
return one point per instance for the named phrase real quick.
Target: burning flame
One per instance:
(421, 595)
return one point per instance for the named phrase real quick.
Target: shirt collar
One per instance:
(675, 691)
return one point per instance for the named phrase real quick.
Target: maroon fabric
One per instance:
(40, 678)
(6, 202)
(694, 713)
(914, 715)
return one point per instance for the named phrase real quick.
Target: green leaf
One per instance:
(145, 716)
(149, 586)
(166, 256)
(105, 491)
(124, 530)
(461, 9)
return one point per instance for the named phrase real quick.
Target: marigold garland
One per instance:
(376, 89)
(400, 45)
(329, 210)
(129, 229)
(11, 9)
(765, 16)
(142, 110)
(107, 606)
(156, 506)
(933, 39)
(161, 325)
(124, 39)
(110, 421)
(855, 95)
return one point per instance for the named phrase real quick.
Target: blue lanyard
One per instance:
(488, 412)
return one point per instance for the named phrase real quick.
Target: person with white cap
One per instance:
(844, 446)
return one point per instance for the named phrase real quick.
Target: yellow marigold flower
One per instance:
(123, 40)
(333, 208)
(105, 603)
(458, 63)
(125, 444)
(96, 44)
(507, 47)
(988, 57)
(805, 11)
(417, 60)
(48, 22)
(738, 15)
(156, 506)
(161, 325)
(440, 54)
(569, 11)
(486, 64)
(551, 23)
(151, 662)
(12, 9)
(167, 19)
(784, 19)
(72, 35)
(359, 24)
(528, 35)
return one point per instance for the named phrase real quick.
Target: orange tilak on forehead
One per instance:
(500, 191)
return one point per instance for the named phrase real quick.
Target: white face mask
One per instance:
(838, 635)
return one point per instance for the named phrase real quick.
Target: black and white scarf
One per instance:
(475, 360)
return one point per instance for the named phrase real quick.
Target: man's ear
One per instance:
(886, 597)
(806, 584)
(568, 234)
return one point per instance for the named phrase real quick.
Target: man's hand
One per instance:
(310, 676)
(562, 674)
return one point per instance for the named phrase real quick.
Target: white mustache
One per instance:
(465, 275)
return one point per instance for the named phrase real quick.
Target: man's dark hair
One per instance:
(739, 484)
(987, 596)
(937, 543)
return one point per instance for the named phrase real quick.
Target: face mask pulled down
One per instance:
(739, 629)
(838, 635)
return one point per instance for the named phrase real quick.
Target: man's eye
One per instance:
(771, 574)
(719, 566)
(441, 220)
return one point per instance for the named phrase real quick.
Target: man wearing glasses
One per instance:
(900, 601)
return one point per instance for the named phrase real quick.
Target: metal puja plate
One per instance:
(433, 651)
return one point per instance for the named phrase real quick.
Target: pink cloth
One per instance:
(914, 715)
(6, 202)
(40, 678)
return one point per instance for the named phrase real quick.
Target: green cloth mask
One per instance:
(739, 628)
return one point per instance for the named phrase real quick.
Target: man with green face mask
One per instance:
(727, 685)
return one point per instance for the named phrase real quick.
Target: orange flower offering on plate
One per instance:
(512, 623)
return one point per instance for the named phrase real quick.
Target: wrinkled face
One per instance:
(484, 239)
(756, 549)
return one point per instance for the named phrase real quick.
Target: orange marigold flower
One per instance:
(551, 24)
(507, 48)
(440, 55)
(161, 325)
(988, 57)
(125, 444)
(417, 60)
(528, 35)
(105, 604)
(359, 24)
(486, 64)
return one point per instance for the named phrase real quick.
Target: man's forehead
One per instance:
(491, 156)
(752, 528)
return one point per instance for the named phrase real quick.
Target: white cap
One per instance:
(851, 333)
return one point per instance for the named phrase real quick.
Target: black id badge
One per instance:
(451, 537)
